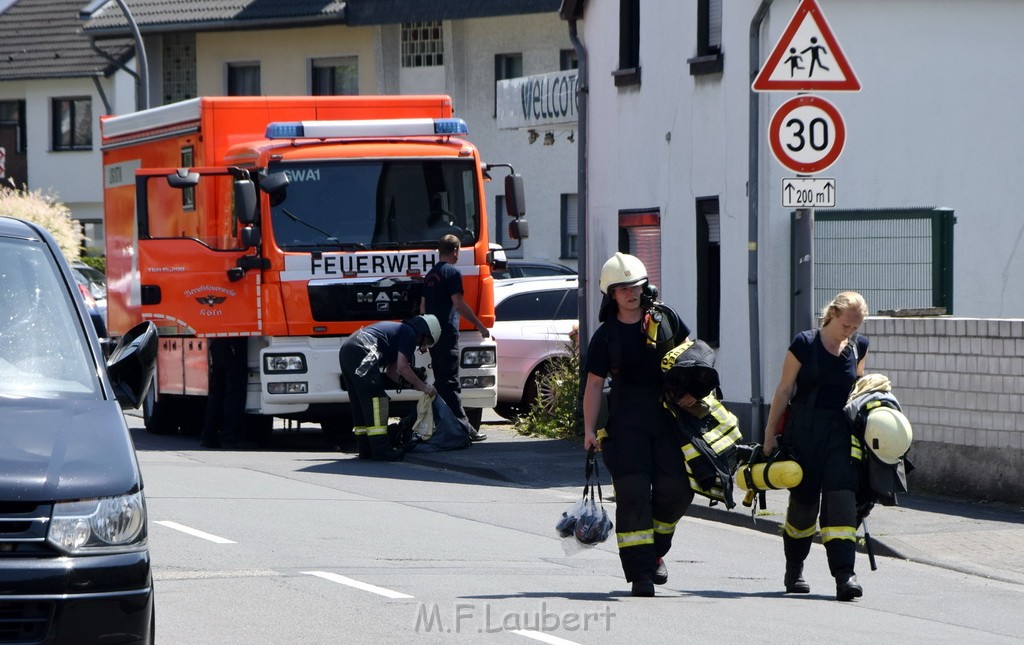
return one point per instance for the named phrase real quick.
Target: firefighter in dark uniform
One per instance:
(818, 373)
(638, 445)
(384, 347)
(443, 298)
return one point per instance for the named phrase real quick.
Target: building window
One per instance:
(570, 227)
(188, 194)
(422, 44)
(72, 123)
(709, 271)
(896, 258)
(629, 44)
(640, 235)
(335, 76)
(179, 66)
(506, 66)
(12, 114)
(567, 59)
(244, 79)
(709, 38)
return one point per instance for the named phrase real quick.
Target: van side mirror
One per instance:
(515, 196)
(245, 200)
(132, 365)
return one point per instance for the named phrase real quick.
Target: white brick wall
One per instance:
(960, 380)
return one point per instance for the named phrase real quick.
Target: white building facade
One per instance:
(934, 132)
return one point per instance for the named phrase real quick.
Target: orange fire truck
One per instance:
(292, 221)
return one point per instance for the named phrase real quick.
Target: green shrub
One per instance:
(554, 413)
(47, 211)
(100, 264)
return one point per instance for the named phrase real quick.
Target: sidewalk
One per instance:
(980, 539)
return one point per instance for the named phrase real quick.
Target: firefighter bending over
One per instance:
(384, 347)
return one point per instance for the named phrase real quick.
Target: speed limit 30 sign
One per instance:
(807, 134)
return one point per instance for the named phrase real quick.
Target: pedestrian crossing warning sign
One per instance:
(807, 58)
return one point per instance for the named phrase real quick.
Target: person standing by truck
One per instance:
(443, 298)
(386, 347)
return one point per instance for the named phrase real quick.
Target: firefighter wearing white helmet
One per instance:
(888, 434)
(383, 347)
(639, 449)
(622, 270)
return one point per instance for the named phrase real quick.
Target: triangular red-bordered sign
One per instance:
(807, 58)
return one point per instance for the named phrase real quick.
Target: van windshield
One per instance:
(44, 350)
(375, 204)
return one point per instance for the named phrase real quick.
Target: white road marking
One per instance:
(333, 577)
(542, 637)
(196, 532)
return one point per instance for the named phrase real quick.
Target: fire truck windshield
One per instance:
(374, 204)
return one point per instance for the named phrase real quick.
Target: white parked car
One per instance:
(534, 318)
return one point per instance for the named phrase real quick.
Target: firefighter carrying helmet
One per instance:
(622, 270)
(427, 325)
(888, 434)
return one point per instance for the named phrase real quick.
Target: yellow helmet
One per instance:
(622, 270)
(888, 434)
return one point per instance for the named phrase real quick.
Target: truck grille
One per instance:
(386, 299)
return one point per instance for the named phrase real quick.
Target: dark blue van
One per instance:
(74, 553)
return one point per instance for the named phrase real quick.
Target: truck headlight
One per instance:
(103, 525)
(478, 357)
(277, 363)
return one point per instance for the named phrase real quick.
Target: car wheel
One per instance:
(508, 411)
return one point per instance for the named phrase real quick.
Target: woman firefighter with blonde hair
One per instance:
(818, 373)
(639, 447)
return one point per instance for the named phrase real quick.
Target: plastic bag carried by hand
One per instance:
(586, 522)
(593, 525)
(566, 526)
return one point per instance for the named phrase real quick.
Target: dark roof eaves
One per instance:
(214, 25)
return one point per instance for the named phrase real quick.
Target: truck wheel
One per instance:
(338, 429)
(158, 416)
(259, 428)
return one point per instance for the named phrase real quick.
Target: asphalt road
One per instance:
(315, 546)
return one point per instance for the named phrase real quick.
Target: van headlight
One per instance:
(103, 525)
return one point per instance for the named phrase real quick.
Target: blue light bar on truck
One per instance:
(369, 128)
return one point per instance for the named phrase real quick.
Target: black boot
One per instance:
(382, 450)
(363, 446)
(794, 579)
(643, 588)
(847, 587)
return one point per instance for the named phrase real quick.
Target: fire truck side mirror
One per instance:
(245, 201)
(515, 197)
(250, 237)
(274, 185)
(518, 229)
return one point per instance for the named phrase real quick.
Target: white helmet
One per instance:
(888, 434)
(622, 270)
(427, 325)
